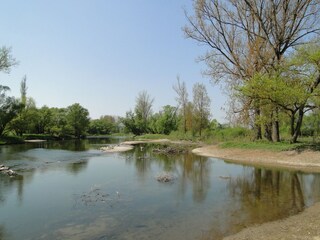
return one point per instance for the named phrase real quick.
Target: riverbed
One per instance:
(72, 190)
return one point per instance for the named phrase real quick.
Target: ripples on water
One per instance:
(71, 190)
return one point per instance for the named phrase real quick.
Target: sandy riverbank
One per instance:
(117, 148)
(304, 226)
(307, 161)
(35, 141)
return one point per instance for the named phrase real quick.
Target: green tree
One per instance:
(104, 125)
(78, 119)
(131, 123)
(294, 87)
(44, 121)
(26, 119)
(165, 121)
(25, 122)
(9, 108)
(59, 126)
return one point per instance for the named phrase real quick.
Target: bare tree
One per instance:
(201, 103)
(6, 60)
(182, 99)
(143, 108)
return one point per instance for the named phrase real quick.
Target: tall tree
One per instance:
(143, 109)
(201, 103)
(182, 99)
(9, 107)
(23, 90)
(78, 118)
(249, 36)
(27, 119)
(294, 88)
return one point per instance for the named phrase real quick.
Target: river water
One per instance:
(71, 190)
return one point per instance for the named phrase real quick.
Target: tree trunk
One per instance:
(257, 125)
(268, 131)
(292, 121)
(298, 125)
(276, 127)
(276, 131)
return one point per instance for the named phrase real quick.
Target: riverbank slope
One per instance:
(307, 160)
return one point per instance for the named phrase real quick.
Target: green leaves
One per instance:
(78, 119)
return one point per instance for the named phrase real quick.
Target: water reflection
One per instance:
(260, 191)
(3, 233)
(215, 198)
(187, 167)
(263, 195)
(255, 195)
(77, 167)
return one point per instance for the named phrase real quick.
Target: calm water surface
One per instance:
(71, 190)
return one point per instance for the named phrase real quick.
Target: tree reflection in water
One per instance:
(199, 197)
(77, 167)
(263, 195)
(3, 233)
(256, 195)
(7, 183)
(187, 167)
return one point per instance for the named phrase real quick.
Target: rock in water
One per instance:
(7, 171)
(165, 177)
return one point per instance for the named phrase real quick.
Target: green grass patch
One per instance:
(264, 145)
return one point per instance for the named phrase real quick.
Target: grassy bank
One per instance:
(271, 146)
(245, 143)
(11, 140)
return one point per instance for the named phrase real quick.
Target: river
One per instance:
(72, 190)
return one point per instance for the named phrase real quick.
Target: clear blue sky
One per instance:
(102, 53)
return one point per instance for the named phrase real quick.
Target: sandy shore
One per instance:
(117, 148)
(307, 161)
(35, 141)
(304, 226)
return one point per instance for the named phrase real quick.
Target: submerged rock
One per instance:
(6, 170)
(165, 177)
